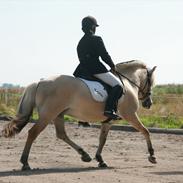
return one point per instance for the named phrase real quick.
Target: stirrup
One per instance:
(111, 115)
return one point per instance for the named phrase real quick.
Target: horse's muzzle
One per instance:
(147, 103)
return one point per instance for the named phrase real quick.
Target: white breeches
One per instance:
(108, 78)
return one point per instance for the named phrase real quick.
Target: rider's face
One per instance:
(93, 29)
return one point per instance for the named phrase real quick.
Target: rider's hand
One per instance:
(113, 69)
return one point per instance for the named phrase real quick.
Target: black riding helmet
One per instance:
(88, 22)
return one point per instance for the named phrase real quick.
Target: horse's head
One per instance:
(139, 76)
(146, 90)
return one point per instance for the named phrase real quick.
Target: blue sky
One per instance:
(38, 38)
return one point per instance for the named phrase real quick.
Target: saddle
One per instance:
(98, 90)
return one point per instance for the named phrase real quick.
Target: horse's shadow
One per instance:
(50, 171)
(168, 173)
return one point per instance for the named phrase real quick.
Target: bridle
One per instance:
(147, 84)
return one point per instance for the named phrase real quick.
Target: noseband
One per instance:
(141, 90)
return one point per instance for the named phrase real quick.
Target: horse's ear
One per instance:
(152, 70)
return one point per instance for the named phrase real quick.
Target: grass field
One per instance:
(166, 112)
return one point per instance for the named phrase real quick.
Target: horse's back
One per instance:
(63, 86)
(60, 82)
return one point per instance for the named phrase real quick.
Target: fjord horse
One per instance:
(66, 95)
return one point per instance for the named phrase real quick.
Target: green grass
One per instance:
(168, 102)
(7, 110)
(166, 122)
(168, 89)
(163, 122)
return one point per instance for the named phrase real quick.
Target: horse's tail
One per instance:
(25, 109)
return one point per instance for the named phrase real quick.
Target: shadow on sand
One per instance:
(168, 173)
(49, 171)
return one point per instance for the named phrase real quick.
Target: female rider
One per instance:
(89, 49)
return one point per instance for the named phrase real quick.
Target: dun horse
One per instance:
(62, 95)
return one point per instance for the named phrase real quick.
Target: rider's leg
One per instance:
(112, 101)
(114, 95)
(108, 78)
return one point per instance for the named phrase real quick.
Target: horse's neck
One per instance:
(134, 76)
(142, 77)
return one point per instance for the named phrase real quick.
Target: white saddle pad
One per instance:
(97, 90)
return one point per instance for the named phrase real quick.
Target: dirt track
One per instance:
(125, 153)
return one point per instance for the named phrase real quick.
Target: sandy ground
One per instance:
(125, 153)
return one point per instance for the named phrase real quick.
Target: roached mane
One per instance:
(132, 65)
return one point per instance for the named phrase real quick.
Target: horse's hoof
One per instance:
(152, 159)
(86, 158)
(102, 165)
(26, 167)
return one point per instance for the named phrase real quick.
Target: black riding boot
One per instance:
(112, 101)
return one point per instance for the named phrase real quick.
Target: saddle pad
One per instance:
(97, 90)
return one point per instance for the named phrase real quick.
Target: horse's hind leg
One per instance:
(32, 134)
(103, 136)
(136, 123)
(61, 134)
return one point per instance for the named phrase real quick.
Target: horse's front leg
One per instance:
(134, 120)
(102, 139)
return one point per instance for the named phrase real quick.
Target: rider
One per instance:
(89, 49)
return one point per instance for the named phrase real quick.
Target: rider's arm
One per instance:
(103, 52)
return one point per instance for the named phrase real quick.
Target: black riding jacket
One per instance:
(89, 49)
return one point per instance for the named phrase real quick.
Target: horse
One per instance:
(67, 95)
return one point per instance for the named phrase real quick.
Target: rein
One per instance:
(141, 90)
